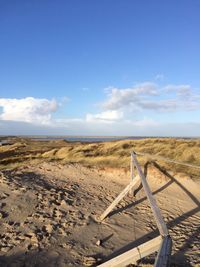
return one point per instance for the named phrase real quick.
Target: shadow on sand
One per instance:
(180, 255)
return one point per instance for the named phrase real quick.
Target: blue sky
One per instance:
(100, 67)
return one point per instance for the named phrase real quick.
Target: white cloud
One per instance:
(168, 105)
(118, 98)
(109, 116)
(29, 109)
(148, 96)
(181, 90)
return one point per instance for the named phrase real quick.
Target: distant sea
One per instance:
(85, 139)
(95, 138)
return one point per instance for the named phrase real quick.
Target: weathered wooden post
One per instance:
(131, 174)
(155, 209)
(164, 253)
(119, 198)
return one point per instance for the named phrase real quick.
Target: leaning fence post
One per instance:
(131, 174)
(152, 201)
(119, 198)
(164, 253)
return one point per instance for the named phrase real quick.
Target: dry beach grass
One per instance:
(106, 154)
(51, 190)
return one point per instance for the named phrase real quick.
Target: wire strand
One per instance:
(167, 160)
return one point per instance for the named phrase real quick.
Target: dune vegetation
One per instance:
(114, 154)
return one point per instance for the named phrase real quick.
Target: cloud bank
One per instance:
(149, 96)
(145, 109)
(29, 109)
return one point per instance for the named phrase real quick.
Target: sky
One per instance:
(100, 67)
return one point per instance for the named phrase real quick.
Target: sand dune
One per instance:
(47, 215)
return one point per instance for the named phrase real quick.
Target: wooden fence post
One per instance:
(119, 198)
(135, 254)
(164, 253)
(156, 211)
(131, 174)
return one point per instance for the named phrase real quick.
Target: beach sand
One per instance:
(48, 215)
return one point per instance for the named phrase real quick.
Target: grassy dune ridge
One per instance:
(114, 154)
